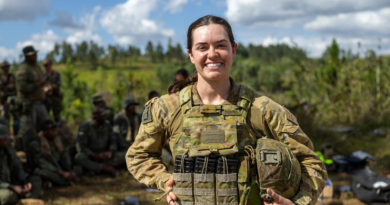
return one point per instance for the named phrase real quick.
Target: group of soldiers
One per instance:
(34, 154)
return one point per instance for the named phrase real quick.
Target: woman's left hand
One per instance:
(278, 200)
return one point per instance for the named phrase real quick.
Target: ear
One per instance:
(234, 51)
(191, 56)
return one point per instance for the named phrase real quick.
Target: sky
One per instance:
(308, 24)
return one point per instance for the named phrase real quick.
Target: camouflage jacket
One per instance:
(28, 82)
(54, 80)
(162, 121)
(93, 138)
(7, 86)
(53, 156)
(126, 127)
(11, 171)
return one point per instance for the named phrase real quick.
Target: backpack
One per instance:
(370, 187)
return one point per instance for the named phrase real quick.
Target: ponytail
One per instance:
(178, 85)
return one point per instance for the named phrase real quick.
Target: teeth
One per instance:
(213, 64)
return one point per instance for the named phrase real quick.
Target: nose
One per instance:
(213, 53)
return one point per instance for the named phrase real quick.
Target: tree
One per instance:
(159, 53)
(82, 51)
(150, 51)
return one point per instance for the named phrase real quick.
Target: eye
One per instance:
(221, 46)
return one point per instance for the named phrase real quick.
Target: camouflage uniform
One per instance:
(97, 98)
(126, 128)
(7, 88)
(163, 120)
(11, 173)
(53, 157)
(30, 92)
(93, 138)
(54, 101)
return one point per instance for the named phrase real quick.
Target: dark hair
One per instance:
(182, 72)
(152, 94)
(202, 21)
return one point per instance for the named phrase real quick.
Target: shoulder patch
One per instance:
(291, 117)
(147, 114)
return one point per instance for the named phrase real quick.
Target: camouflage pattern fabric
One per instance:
(126, 128)
(93, 138)
(162, 121)
(11, 173)
(277, 168)
(28, 82)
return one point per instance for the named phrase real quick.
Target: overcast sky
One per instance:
(309, 24)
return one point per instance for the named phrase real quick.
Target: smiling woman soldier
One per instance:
(231, 145)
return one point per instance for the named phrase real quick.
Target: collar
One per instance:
(232, 99)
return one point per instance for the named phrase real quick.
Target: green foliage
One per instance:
(76, 96)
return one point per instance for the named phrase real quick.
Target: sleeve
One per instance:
(4, 185)
(276, 121)
(82, 140)
(23, 81)
(144, 157)
(113, 142)
(119, 127)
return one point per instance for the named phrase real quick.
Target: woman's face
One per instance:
(212, 52)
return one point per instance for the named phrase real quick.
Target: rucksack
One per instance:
(370, 187)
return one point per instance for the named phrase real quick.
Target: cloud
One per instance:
(15, 10)
(367, 23)
(129, 23)
(43, 42)
(66, 21)
(87, 32)
(8, 54)
(175, 6)
(290, 12)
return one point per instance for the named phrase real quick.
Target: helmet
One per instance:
(277, 168)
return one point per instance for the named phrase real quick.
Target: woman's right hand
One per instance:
(171, 198)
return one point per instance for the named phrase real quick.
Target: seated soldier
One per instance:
(97, 146)
(98, 101)
(54, 165)
(13, 180)
(126, 124)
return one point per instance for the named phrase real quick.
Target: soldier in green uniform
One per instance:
(97, 146)
(7, 87)
(29, 84)
(126, 124)
(53, 100)
(211, 121)
(55, 164)
(98, 101)
(13, 180)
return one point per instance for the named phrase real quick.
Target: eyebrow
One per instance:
(219, 41)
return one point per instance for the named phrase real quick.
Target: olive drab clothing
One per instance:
(33, 112)
(54, 79)
(7, 89)
(28, 82)
(126, 127)
(53, 100)
(11, 173)
(163, 119)
(53, 157)
(93, 138)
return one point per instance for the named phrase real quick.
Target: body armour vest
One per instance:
(211, 164)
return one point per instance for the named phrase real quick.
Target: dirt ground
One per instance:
(105, 190)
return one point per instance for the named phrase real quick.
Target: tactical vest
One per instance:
(211, 164)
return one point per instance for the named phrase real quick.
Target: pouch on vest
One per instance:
(277, 168)
(182, 175)
(204, 182)
(226, 181)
